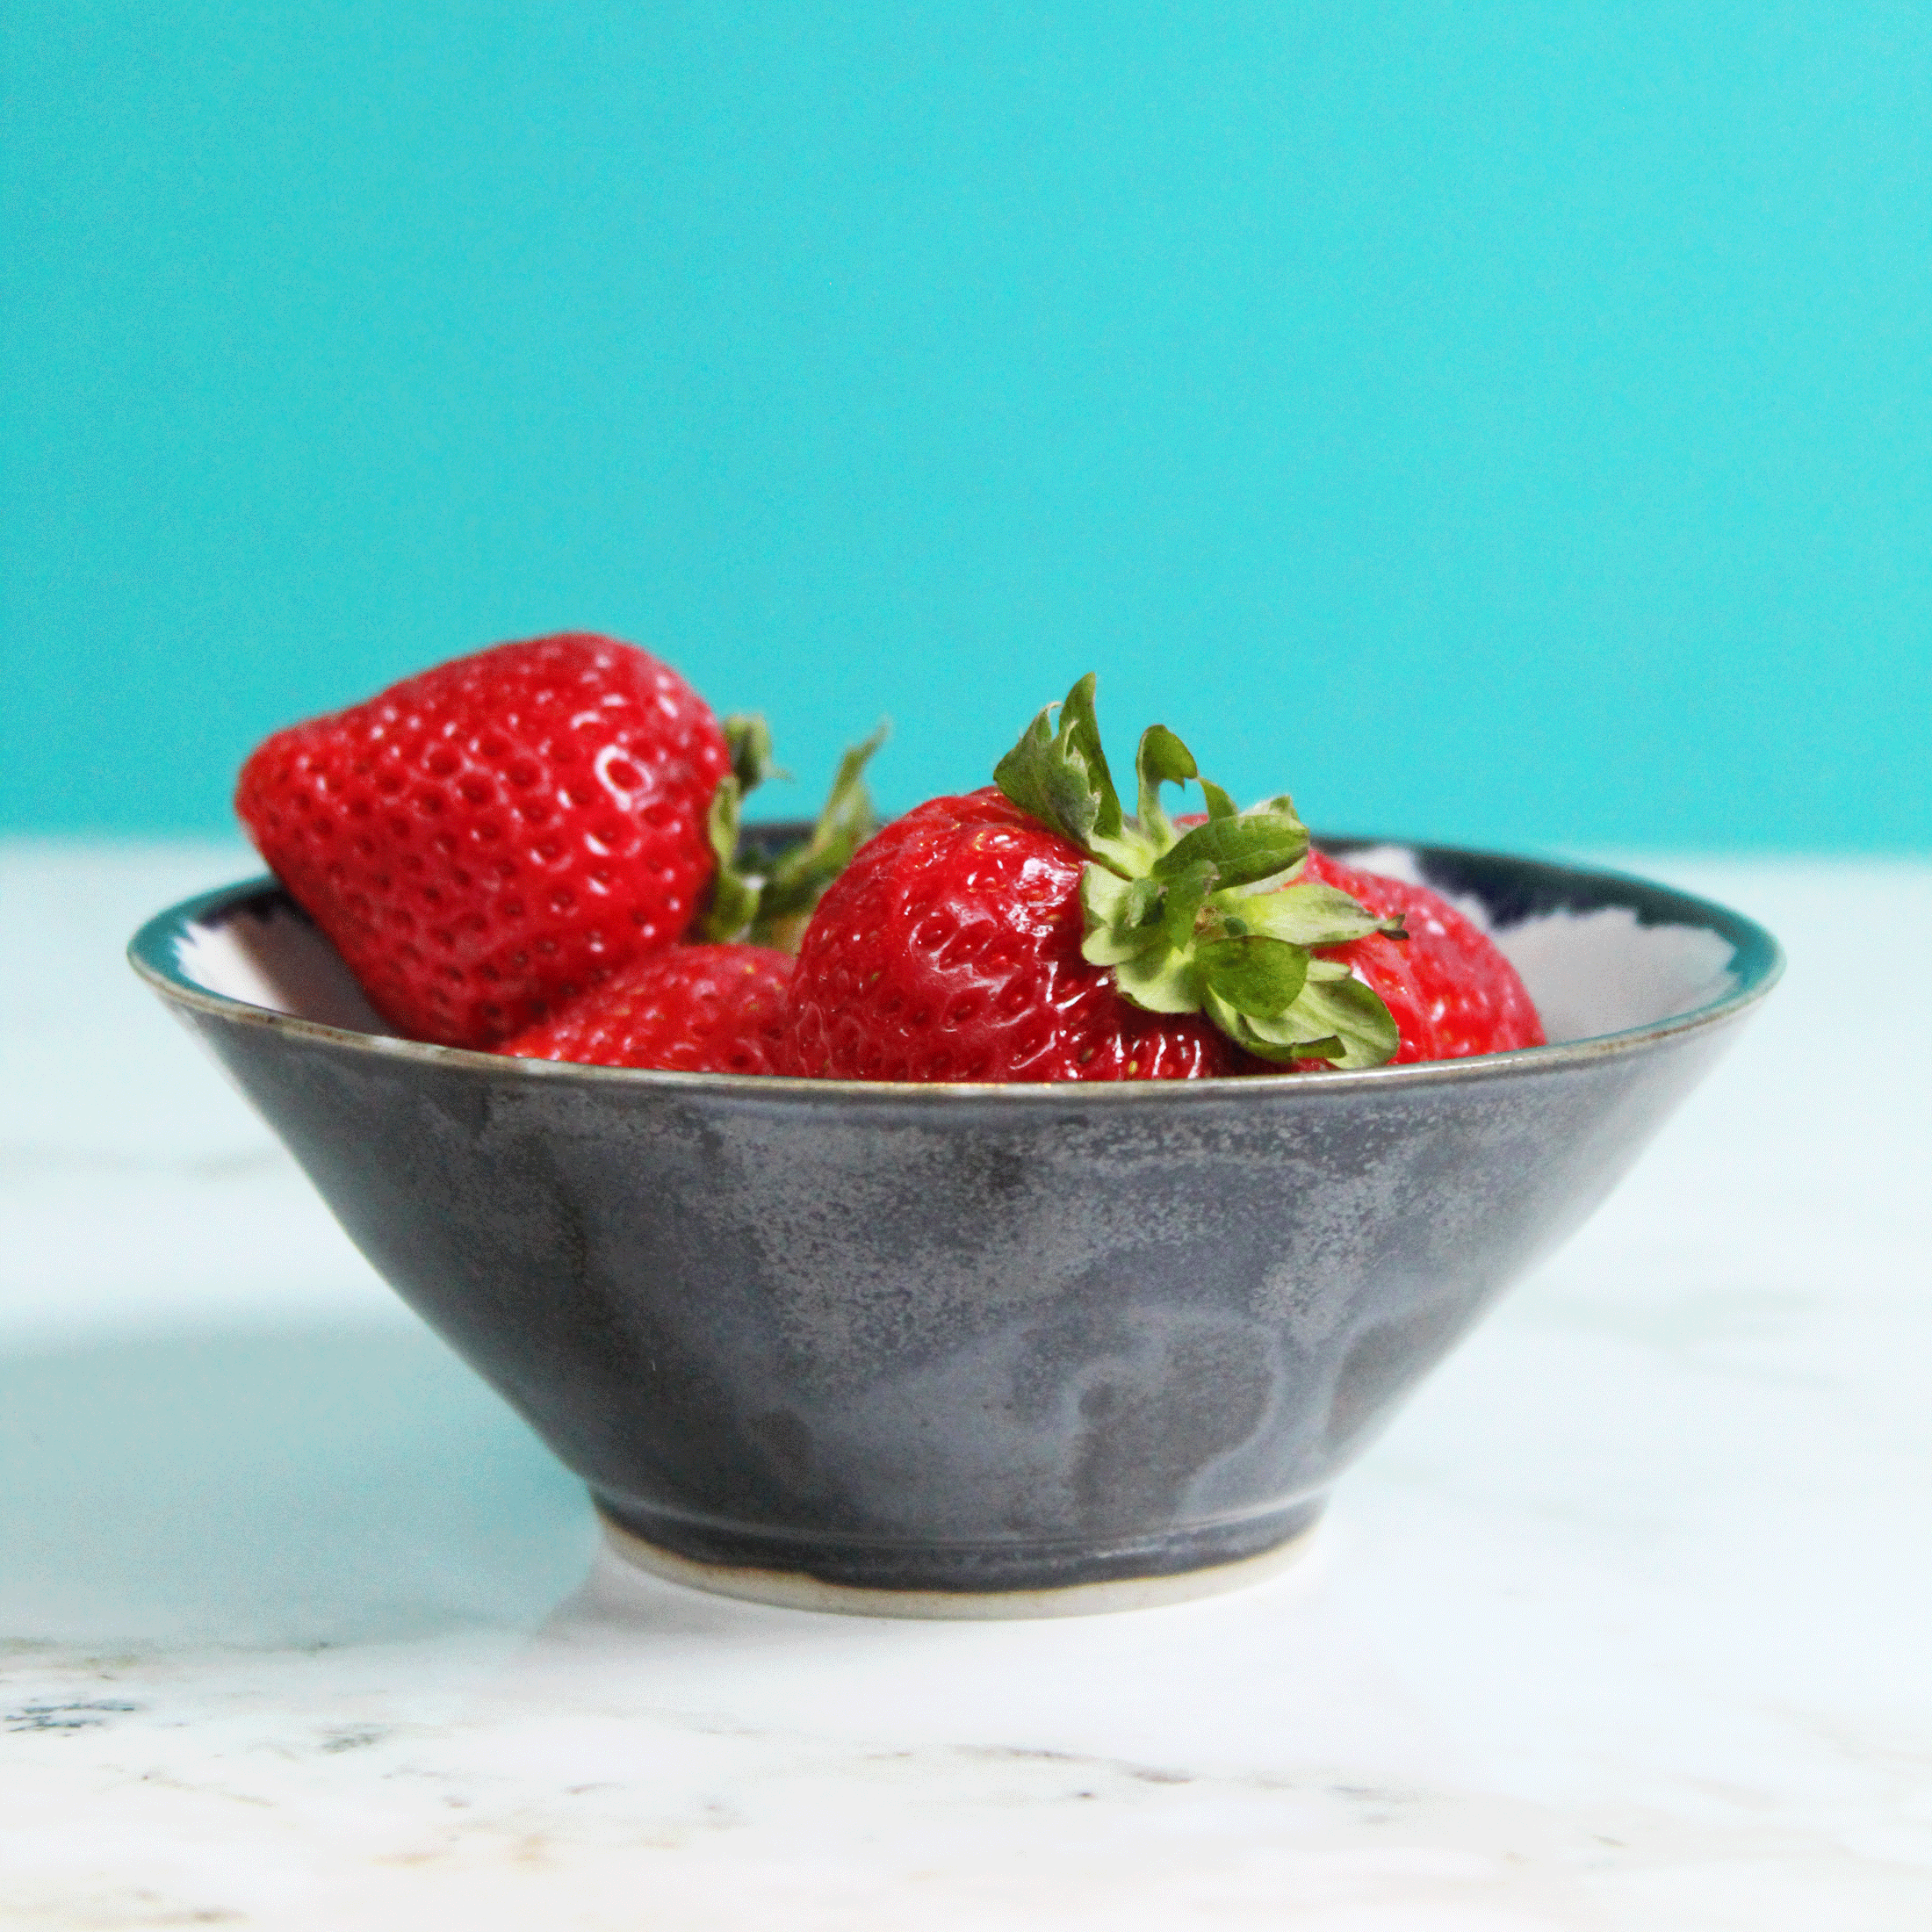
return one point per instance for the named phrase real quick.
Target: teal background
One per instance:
(1507, 423)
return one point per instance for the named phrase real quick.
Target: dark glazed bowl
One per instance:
(972, 1350)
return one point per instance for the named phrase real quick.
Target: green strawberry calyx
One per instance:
(1208, 920)
(767, 901)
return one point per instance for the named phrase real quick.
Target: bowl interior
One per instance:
(1599, 954)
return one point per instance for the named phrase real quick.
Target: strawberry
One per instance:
(1037, 933)
(949, 949)
(1450, 991)
(486, 840)
(693, 1009)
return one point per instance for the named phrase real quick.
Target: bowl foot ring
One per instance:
(795, 1589)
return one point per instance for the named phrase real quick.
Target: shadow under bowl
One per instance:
(956, 1350)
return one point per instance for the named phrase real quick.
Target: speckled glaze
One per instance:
(966, 1340)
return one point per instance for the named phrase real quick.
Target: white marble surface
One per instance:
(1624, 1625)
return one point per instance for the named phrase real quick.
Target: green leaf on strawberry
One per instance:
(1334, 1017)
(769, 905)
(1209, 919)
(1314, 915)
(747, 737)
(1061, 776)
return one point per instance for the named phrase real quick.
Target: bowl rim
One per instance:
(1758, 963)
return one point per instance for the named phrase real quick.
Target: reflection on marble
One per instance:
(1622, 1625)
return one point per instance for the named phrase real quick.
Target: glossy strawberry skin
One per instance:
(487, 840)
(949, 949)
(690, 1009)
(1451, 991)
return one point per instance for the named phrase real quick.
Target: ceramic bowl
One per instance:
(973, 1349)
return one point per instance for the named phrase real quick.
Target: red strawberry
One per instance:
(949, 949)
(487, 840)
(1450, 991)
(1215, 919)
(694, 1009)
